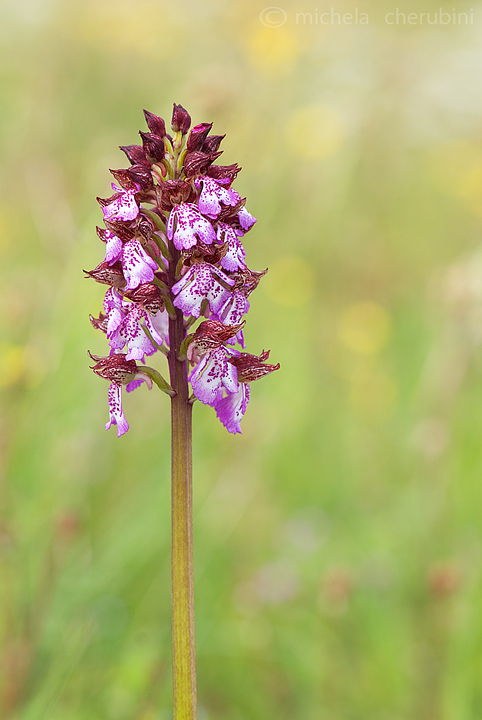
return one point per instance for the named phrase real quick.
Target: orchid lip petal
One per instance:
(186, 225)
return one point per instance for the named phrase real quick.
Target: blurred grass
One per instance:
(338, 541)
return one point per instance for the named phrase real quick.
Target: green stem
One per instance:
(182, 596)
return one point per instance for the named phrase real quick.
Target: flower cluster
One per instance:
(173, 253)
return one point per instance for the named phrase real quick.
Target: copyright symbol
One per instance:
(273, 17)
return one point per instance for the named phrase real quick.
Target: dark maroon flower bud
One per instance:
(135, 154)
(155, 124)
(197, 162)
(218, 172)
(142, 176)
(174, 192)
(197, 136)
(181, 120)
(212, 143)
(108, 274)
(211, 334)
(124, 179)
(99, 323)
(153, 146)
(149, 296)
(252, 367)
(115, 368)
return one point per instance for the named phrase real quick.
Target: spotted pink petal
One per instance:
(199, 283)
(211, 375)
(230, 409)
(213, 194)
(186, 226)
(124, 206)
(116, 414)
(137, 265)
(113, 251)
(236, 254)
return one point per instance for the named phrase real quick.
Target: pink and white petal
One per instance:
(113, 251)
(192, 289)
(235, 257)
(186, 226)
(124, 207)
(246, 220)
(233, 311)
(138, 267)
(211, 375)
(134, 384)
(158, 326)
(138, 344)
(116, 414)
(230, 409)
(112, 299)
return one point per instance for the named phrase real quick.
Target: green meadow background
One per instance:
(338, 540)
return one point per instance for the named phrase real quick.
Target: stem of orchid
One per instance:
(182, 596)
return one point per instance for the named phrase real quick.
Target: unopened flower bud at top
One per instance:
(135, 154)
(181, 120)
(212, 143)
(197, 136)
(197, 162)
(153, 146)
(155, 124)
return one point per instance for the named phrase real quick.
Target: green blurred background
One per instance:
(338, 540)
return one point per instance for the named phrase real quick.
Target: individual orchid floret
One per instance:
(119, 371)
(213, 194)
(212, 375)
(123, 205)
(137, 265)
(202, 282)
(230, 409)
(186, 226)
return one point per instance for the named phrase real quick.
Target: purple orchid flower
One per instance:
(211, 375)
(184, 254)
